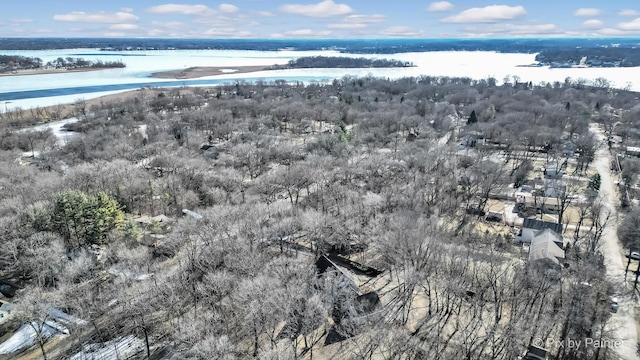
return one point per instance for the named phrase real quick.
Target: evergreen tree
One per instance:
(473, 118)
(594, 182)
(85, 219)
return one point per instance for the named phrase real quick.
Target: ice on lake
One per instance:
(141, 64)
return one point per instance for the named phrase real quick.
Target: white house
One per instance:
(531, 227)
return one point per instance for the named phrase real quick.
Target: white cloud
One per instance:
(629, 13)
(487, 14)
(21, 21)
(440, 6)
(633, 25)
(587, 12)
(227, 32)
(401, 31)
(124, 27)
(494, 30)
(593, 24)
(181, 9)
(228, 8)
(97, 17)
(366, 19)
(358, 22)
(347, 26)
(168, 24)
(307, 33)
(326, 8)
(612, 32)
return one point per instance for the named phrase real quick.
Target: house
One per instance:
(8, 289)
(569, 149)
(554, 170)
(632, 151)
(345, 278)
(531, 227)
(6, 310)
(536, 353)
(365, 309)
(554, 188)
(547, 245)
(192, 214)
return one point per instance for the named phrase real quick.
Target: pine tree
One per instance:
(594, 182)
(85, 219)
(473, 118)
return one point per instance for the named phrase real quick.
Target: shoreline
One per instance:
(28, 72)
(202, 71)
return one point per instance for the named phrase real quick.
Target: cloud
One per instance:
(587, 12)
(305, 33)
(487, 14)
(21, 21)
(168, 25)
(612, 32)
(347, 26)
(401, 31)
(124, 27)
(97, 17)
(633, 25)
(228, 8)
(181, 9)
(326, 8)
(593, 24)
(494, 30)
(358, 22)
(227, 32)
(628, 13)
(366, 19)
(440, 6)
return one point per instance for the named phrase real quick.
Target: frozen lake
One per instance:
(51, 89)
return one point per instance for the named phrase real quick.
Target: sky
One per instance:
(320, 18)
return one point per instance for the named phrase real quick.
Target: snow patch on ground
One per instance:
(119, 348)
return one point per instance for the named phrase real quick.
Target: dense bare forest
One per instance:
(288, 221)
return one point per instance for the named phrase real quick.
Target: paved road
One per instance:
(623, 322)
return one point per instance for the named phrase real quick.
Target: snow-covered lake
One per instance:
(51, 89)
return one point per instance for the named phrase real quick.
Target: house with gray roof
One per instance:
(547, 245)
(530, 227)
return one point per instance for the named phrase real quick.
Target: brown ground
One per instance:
(201, 71)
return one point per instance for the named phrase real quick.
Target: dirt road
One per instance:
(623, 322)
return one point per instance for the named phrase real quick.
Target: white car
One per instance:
(614, 304)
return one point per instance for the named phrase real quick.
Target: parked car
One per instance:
(614, 304)
(634, 255)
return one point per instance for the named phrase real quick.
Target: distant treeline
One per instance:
(596, 57)
(75, 63)
(340, 62)
(10, 63)
(358, 46)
